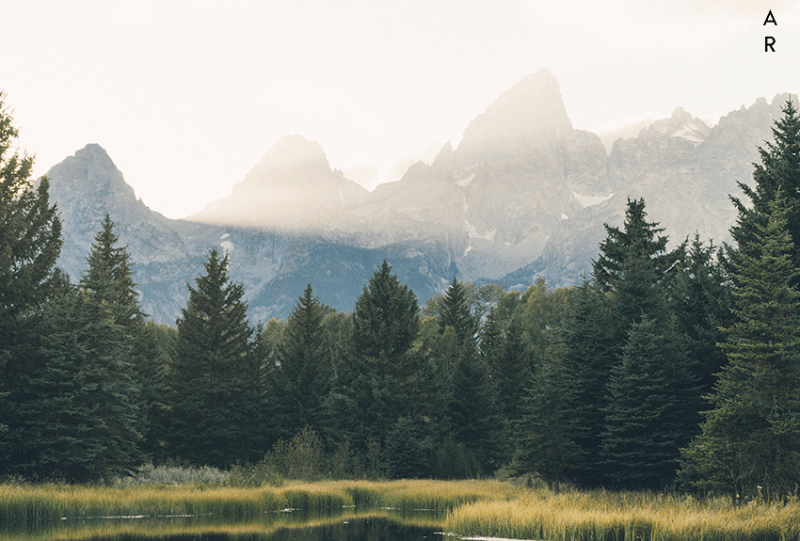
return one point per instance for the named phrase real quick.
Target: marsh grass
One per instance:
(473, 508)
(604, 516)
(22, 504)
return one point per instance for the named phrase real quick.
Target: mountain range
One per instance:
(525, 195)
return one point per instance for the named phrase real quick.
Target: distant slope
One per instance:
(525, 195)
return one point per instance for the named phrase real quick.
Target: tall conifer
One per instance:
(302, 377)
(215, 374)
(750, 440)
(30, 243)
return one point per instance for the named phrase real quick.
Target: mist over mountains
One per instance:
(524, 195)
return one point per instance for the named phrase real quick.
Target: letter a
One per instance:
(770, 19)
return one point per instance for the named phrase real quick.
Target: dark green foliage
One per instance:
(751, 438)
(650, 404)
(78, 403)
(156, 372)
(589, 352)
(54, 420)
(376, 384)
(405, 454)
(548, 430)
(30, 242)
(214, 392)
(472, 411)
(302, 376)
(510, 369)
(779, 170)
(701, 301)
(623, 248)
(386, 319)
(456, 313)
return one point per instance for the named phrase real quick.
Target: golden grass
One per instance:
(602, 516)
(474, 508)
(35, 504)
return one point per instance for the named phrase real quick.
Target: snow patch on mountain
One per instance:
(465, 182)
(473, 233)
(590, 200)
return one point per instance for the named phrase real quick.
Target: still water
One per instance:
(381, 525)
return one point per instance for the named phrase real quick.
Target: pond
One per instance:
(351, 525)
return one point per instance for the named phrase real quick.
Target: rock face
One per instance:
(291, 188)
(524, 195)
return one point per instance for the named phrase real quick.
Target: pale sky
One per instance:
(186, 96)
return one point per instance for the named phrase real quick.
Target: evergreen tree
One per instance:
(109, 288)
(405, 454)
(215, 376)
(30, 242)
(650, 403)
(510, 370)
(751, 437)
(156, 371)
(472, 410)
(302, 377)
(54, 404)
(701, 303)
(456, 313)
(636, 268)
(547, 433)
(386, 318)
(779, 170)
(375, 386)
(589, 352)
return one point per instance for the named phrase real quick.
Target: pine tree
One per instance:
(635, 266)
(651, 399)
(54, 404)
(375, 385)
(548, 431)
(109, 292)
(386, 317)
(30, 243)
(510, 370)
(702, 304)
(472, 410)
(751, 437)
(456, 313)
(589, 352)
(156, 371)
(405, 454)
(302, 378)
(215, 375)
(779, 170)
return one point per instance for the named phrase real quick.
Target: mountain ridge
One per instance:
(508, 204)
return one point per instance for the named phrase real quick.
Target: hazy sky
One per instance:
(186, 96)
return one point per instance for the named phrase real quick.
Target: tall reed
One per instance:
(603, 516)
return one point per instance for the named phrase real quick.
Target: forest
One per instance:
(664, 369)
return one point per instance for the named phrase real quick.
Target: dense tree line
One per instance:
(663, 368)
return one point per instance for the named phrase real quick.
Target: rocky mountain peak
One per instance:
(528, 114)
(681, 125)
(90, 170)
(291, 151)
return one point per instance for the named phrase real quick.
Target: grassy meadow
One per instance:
(470, 508)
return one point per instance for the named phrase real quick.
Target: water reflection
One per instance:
(347, 525)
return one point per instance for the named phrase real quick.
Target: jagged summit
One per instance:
(94, 170)
(529, 113)
(682, 125)
(293, 151)
(292, 187)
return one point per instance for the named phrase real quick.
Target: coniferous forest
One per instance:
(667, 367)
